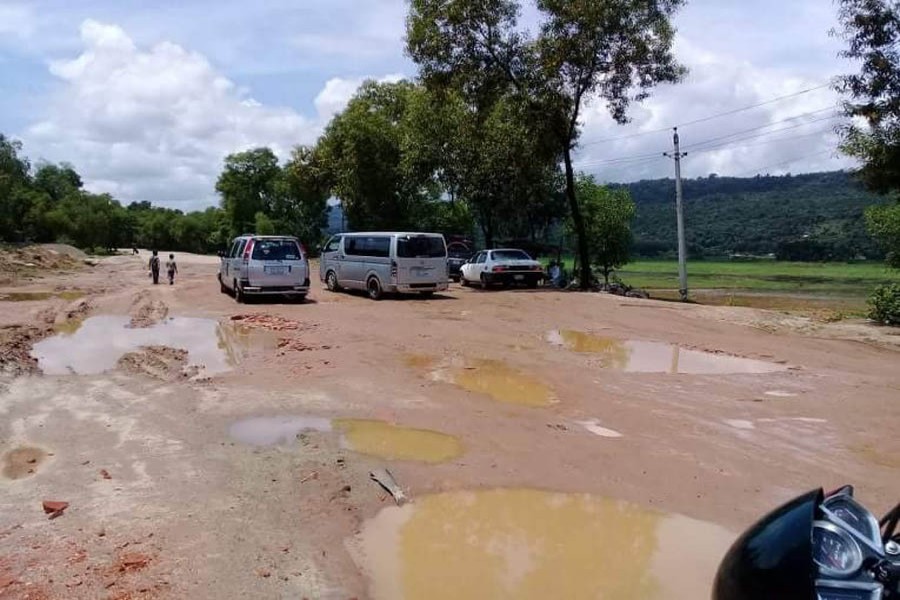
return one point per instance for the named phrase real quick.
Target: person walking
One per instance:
(154, 267)
(171, 268)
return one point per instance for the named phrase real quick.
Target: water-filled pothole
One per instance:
(38, 296)
(392, 442)
(501, 382)
(23, 461)
(523, 544)
(634, 356)
(374, 438)
(99, 342)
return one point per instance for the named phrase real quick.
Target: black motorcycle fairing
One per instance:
(773, 559)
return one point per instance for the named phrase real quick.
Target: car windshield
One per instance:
(421, 246)
(509, 255)
(276, 250)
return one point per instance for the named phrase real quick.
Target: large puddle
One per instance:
(525, 544)
(392, 442)
(501, 382)
(374, 438)
(99, 342)
(38, 296)
(634, 356)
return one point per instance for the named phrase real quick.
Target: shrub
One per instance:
(885, 304)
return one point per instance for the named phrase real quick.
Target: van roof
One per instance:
(391, 233)
(267, 237)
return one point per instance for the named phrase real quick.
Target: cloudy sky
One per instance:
(146, 98)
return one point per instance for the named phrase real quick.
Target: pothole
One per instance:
(268, 431)
(500, 382)
(99, 342)
(532, 544)
(633, 356)
(38, 296)
(393, 442)
(22, 462)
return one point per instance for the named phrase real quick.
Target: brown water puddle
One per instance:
(524, 544)
(97, 343)
(872, 454)
(21, 462)
(392, 442)
(634, 356)
(501, 382)
(419, 361)
(38, 296)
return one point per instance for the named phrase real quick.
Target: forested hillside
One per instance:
(814, 216)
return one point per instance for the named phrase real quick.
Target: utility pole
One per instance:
(679, 215)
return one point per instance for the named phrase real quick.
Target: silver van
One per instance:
(385, 262)
(264, 265)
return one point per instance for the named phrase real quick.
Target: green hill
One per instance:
(814, 216)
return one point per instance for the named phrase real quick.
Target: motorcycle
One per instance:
(816, 547)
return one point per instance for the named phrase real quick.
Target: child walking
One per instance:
(171, 268)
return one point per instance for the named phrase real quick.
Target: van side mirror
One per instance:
(221, 253)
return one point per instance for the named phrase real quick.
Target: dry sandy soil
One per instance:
(164, 502)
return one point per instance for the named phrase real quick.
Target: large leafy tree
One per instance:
(614, 51)
(607, 219)
(247, 186)
(300, 204)
(362, 157)
(871, 29)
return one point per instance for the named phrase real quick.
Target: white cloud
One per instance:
(154, 124)
(718, 83)
(338, 91)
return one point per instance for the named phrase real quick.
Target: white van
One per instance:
(385, 262)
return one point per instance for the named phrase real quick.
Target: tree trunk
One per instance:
(584, 260)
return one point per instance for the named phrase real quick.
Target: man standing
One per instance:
(154, 267)
(171, 268)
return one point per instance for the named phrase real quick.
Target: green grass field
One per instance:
(764, 284)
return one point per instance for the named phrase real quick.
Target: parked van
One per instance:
(379, 263)
(264, 265)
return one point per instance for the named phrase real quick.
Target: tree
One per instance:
(57, 181)
(607, 217)
(615, 51)
(884, 225)
(15, 201)
(871, 29)
(300, 206)
(247, 186)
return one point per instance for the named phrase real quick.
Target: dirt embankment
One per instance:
(28, 262)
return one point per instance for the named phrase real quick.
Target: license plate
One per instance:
(275, 270)
(518, 277)
(421, 272)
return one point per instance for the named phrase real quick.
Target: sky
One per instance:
(146, 99)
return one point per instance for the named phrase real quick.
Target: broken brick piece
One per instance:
(54, 506)
(105, 474)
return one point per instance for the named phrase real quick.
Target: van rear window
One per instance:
(276, 250)
(421, 246)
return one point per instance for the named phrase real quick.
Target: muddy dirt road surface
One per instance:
(552, 444)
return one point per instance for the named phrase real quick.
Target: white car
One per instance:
(506, 266)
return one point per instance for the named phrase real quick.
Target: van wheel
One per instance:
(426, 294)
(331, 282)
(373, 287)
(239, 296)
(222, 287)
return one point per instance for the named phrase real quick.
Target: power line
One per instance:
(763, 143)
(696, 145)
(708, 118)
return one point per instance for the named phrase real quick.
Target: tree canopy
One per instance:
(614, 51)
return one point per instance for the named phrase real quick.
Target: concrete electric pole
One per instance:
(679, 214)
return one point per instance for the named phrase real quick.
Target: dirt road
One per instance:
(215, 450)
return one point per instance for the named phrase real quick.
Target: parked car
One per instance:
(385, 262)
(457, 255)
(506, 266)
(260, 265)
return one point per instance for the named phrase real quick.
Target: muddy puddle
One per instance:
(374, 438)
(38, 296)
(97, 344)
(523, 544)
(393, 442)
(634, 356)
(500, 382)
(22, 462)
(268, 431)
